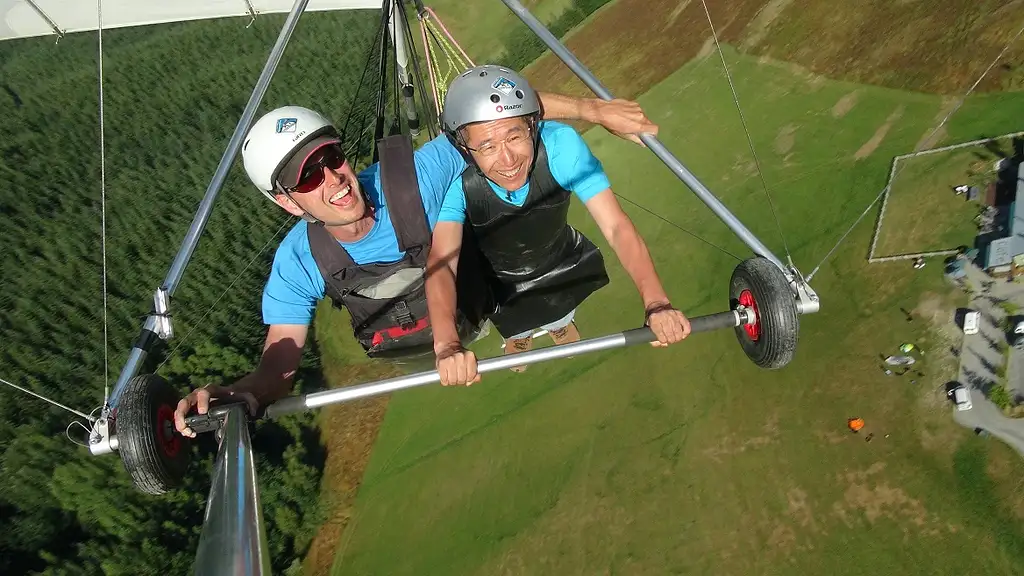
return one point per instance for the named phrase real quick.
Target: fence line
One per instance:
(888, 188)
(881, 211)
(912, 256)
(961, 145)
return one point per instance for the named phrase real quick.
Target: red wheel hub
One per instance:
(746, 300)
(165, 433)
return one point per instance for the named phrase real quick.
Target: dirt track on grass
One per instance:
(937, 46)
(348, 431)
(941, 46)
(633, 44)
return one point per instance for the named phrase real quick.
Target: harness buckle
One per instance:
(401, 315)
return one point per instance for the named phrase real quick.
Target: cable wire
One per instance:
(916, 149)
(671, 223)
(103, 203)
(41, 397)
(67, 432)
(222, 294)
(750, 140)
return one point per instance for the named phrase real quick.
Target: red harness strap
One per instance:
(395, 332)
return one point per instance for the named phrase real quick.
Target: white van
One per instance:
(972, 321)
(961, 397)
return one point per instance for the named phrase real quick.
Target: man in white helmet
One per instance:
(363, 239)
(514, 195)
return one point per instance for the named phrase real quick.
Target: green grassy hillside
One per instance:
(692, 460)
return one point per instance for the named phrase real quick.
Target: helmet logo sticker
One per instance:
(504, 85)
(286, 124)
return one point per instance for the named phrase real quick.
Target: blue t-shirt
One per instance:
(570, 160)
(295, 284)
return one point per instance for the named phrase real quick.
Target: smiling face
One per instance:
(337, 200)
(503, 150)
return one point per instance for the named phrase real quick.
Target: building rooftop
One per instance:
(1002, 251)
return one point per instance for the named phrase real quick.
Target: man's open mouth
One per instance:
(510, 174)
(343, 198)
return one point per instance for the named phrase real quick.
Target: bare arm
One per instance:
(629, 247)
(561, 107)
(455, 365)
(274, 377)
(668, 324)
(271, 381)
(442, 266)
(624, 118)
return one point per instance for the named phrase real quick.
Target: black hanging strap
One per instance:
(402, 193)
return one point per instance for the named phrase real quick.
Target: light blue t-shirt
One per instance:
(570, 160)
(295, 284)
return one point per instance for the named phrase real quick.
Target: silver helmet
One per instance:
(485, 93)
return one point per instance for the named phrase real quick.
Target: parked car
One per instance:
(961, 396)
(972, 322)
(1017, 336)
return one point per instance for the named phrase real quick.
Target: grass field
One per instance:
(922, 212)
(691, 460)
(938, 46)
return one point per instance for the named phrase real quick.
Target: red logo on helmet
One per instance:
(498, 108)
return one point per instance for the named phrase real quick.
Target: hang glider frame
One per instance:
(157, 325)
(49, 21)
(234, 538)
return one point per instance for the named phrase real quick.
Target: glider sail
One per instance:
(27, 18)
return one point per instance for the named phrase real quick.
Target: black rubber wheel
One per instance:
(771, 341)
(153, 452)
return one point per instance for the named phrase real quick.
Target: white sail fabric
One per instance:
(25, 18)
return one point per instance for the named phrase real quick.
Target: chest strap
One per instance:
(400, 189)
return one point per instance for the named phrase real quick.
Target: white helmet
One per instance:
(279, 143)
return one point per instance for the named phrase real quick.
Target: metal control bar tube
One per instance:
(234, 536)
(657, 147)
(636, 336)
(188, 245)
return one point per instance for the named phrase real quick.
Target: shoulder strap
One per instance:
(542, 182)
(477, 194)
(331, 258)
(402, 193)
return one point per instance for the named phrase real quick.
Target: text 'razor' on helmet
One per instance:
(485, 93)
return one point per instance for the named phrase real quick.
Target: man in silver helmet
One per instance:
(514, 196)
(362, 238)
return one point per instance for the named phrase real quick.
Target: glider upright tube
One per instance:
(657, 147)
(188, 245)
(234, 536)
(203, 214)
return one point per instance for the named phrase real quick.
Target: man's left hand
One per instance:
(669, 326)
(624, 118)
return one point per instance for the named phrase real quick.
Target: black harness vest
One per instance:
(387, 302)
(540, 268)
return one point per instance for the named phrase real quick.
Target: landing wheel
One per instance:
(154, 453)
(759, 285)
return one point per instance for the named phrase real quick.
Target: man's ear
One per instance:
(288, 204)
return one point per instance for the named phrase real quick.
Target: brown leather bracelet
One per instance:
(655, 309)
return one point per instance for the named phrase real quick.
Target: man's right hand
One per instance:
(200, 400)
(456, 365)
(624, 118)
